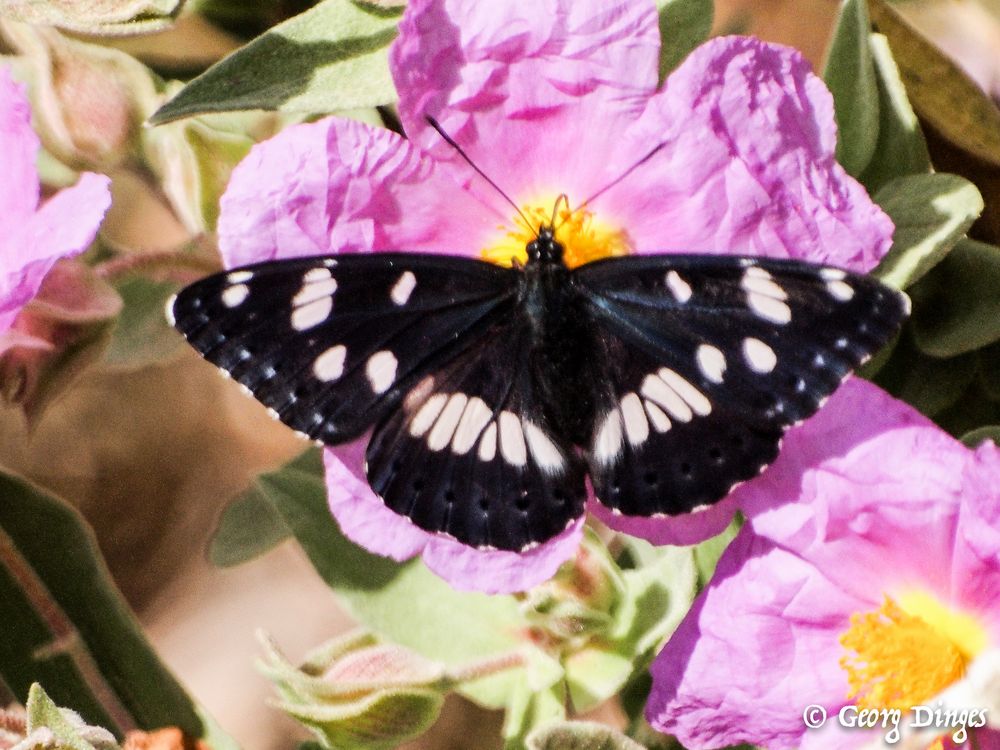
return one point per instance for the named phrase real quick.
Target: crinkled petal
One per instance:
(365, 519)
(754, 650)
(64, 226)
(18, 149)
(536, 93)
(747, 164)
(975, 570)
(855, 484)
(689, 528)
(340, 186)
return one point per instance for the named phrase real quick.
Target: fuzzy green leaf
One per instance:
(684, 24)
(900, 149)
(850, 74)
(959, 306)
(929, 384)
(332, 57)
(66, 727)
(931, 213)
(580, 735)
(67, 627)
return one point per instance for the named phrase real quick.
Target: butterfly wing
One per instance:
(331, 344)
(472, 454)
(705, 361)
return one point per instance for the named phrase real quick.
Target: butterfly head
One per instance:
(545, 248)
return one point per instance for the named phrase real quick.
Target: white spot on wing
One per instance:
(321, 284)
(403, 288)
(678, 287)
(488, 444)
(512, 446)
(832, 274)
(608, 443)
(764, 296)
(691, 395)
(329, 365)
(314, 275)
(447, 423)
(659, 420)
(840, 290)
(312, 314)
(759, 356)
(381, 370)
(636, 424)
(544, 452)
(427, 413)
(475, 417)
(239, 277)
(418, 393)
(235, 295)
(712, 362)
(656, 389)
(169, 310)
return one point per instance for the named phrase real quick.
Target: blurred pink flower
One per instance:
(35, 237)
(554, 97)
(880, 588)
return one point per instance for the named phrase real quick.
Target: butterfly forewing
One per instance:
(331, 344)
(705, 362)
(471, 453)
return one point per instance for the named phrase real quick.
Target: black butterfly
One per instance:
(492, 393)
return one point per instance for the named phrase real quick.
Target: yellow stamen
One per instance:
(903, 654)
(584, 238)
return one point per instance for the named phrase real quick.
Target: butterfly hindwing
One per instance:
(705, 361)
(331, 344)
(471, 453)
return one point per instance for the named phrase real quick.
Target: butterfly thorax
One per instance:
(559, 339)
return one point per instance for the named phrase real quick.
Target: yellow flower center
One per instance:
(905, 653)
(584, 237)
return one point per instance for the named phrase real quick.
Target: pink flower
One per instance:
(550, 98)
(35, 237)
(879, 588)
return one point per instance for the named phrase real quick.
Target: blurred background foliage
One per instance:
(149, 446)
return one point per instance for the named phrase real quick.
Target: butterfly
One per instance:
(491, 394)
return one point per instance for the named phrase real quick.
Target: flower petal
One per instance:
(855, 484)
(18, 149)
(753, 651)
(340, 186)
(747, 164)
(64, 226)
(536, 93)
(365, 519)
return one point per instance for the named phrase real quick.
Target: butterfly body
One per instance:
(492, 393)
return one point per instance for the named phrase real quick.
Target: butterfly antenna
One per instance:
(563, 198)
(625, 174)
(451, 142)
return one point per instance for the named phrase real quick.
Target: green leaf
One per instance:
(850, 74)
(931, 213)
(251, 525)
(112, 17)
(329, 58)
(975, 438)
(707, 554)
(941, 92)
(405, 602)
(959, 306)
(66, 626)
(900, 149)
(142, 336)
(929, 384)
(580, 735)
(684, 24)
(972, 411)
(68, 729)
(989, 370)
(527, 709)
